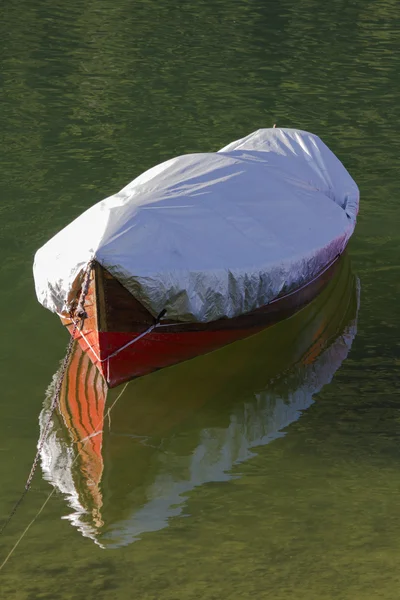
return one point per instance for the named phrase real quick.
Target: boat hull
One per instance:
(124, 341)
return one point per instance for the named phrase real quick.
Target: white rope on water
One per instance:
(85, 440)
(23, 534)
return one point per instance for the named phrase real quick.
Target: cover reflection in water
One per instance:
(127, 472)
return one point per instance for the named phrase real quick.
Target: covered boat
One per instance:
(129, 471)
(200, 251)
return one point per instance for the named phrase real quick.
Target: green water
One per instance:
(91, 94)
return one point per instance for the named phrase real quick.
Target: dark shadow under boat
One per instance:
(128, 471)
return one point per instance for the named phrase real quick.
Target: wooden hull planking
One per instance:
(115, 319)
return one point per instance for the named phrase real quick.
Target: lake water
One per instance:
(270, 469)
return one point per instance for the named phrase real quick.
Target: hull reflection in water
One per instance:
(126, 472)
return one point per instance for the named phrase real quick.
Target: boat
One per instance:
(200, 251)
(124, 460)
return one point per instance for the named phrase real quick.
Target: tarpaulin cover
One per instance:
(213, 235)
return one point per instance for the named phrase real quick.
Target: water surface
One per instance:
(93, 93)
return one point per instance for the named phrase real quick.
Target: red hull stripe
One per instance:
(155, 351)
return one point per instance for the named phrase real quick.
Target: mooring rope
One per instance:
(136, 339)
(7, 558)
(85, 440)
(116, 352)
(56, 397)
(81, 314)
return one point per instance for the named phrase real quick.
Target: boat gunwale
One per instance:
(254, 318)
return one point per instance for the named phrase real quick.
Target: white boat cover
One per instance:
(213, 235)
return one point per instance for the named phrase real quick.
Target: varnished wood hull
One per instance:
(116, 319)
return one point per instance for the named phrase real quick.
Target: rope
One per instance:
(101, 360)
(56, 398)
(118, 350)
(85, 440)
(7, 558)
(82, 315)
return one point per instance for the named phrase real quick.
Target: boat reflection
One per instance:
(126, 471)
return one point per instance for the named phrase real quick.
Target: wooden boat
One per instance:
(116, 319)
(200, 251)
(126, 472)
